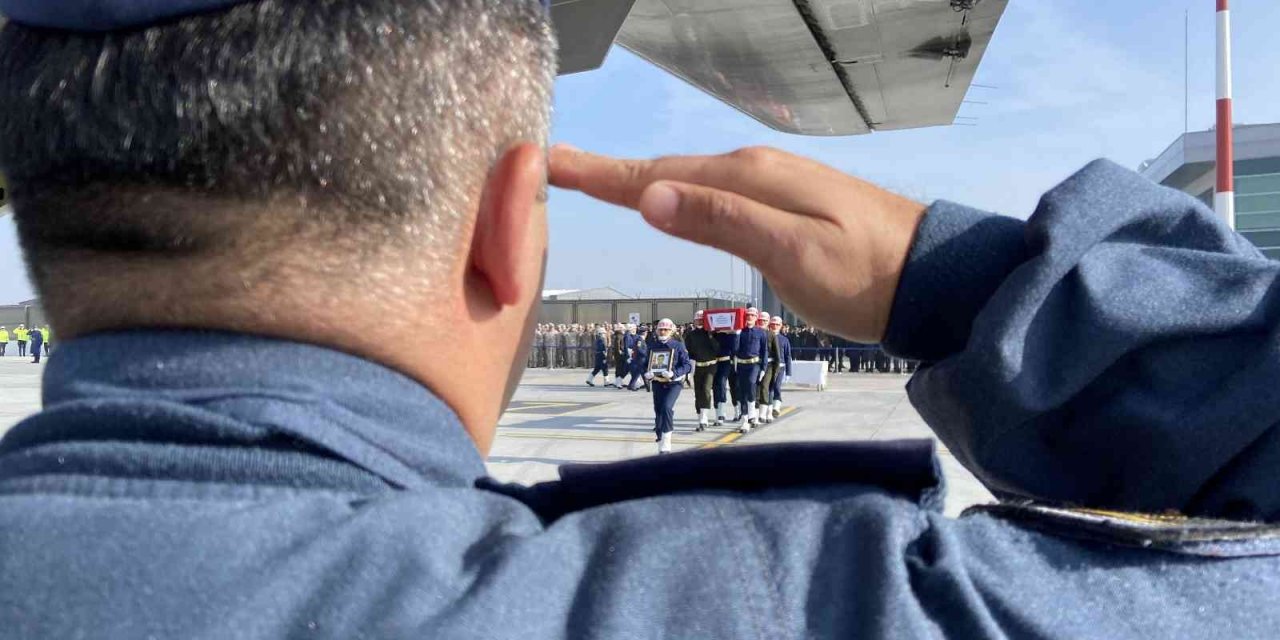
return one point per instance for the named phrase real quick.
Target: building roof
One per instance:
(1193, 154)
(599, 293)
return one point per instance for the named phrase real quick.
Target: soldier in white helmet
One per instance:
(621, 354)
(667, 367)
(784, 355)
(704, 351)
(750, 354)
(774, 369)
(601, 350)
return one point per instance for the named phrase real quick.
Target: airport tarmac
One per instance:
(556, 419)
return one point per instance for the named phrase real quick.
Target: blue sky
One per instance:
(1075, 81)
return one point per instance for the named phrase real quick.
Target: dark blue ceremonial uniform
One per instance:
(639, 361)
(665, 394)
(726, 381)
(1117, 350)
(602, 358)
(751, 356)
(37, 340)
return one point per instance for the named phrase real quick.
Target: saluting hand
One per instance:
(832, 246)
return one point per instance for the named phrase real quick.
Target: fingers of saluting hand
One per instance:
(720, 219)
(769, 176)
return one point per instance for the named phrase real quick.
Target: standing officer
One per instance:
(704, 351)
(20, 334)
(538, 355)
(48, 344)
(749, 355)
(601, 350)
(725, 381)
(4, 340)
(784, 354)
(552, 347)
(666, 381)
(37, 340)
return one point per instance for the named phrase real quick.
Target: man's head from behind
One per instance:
(265, 167)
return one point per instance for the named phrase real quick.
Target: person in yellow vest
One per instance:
(21, 334)
(4, 340)
(48, 346)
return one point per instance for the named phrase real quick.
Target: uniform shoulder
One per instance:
(906, 468)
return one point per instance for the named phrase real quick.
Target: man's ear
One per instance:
(505, 251)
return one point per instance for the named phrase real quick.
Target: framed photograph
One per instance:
(659, 361)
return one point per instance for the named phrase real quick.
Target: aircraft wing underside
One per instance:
(814, 67)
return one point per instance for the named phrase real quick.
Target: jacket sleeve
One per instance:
(683, 365)
(1119, 349)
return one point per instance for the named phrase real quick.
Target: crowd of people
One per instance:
(569, 346)
(38, 338)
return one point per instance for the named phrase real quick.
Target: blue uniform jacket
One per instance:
(601, 349)
(681, 364)
(1119, 349)
(728, 344)
(639, 356)
(751, 344)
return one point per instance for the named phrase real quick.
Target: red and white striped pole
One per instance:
(1224, 197)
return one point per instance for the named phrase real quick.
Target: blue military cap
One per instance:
(110, 15)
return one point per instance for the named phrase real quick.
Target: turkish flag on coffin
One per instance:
(725, 319)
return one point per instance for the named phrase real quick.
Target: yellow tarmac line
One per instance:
(567, 436)
(730, 438)
(542, 405)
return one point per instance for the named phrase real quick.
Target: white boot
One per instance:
(752, 415)
(704, 419)
(606, 381)
(768, 414)
(591, 381)
(720, 414)
(777, 406)
(745, 425)
(664, 446)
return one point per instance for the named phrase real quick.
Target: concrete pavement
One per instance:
(556, 418)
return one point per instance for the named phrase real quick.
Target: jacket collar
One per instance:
(357, 410)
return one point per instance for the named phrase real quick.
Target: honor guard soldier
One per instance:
(704, 351)
(621, 354)
(750, 354)
(668, 364)
(774, 368)
(784, 349)
(4, 340)
(640, 347)
(601, 351)
(274, 471)
(725, 381)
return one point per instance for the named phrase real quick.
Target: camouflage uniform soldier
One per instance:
(540, 346)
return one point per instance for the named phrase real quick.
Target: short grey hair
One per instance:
(368, 122)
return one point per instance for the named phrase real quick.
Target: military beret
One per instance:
(111, 15)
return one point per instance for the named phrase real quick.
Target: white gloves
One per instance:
(648, 376)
